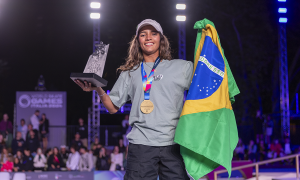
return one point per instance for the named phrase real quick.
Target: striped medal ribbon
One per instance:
(147, 106)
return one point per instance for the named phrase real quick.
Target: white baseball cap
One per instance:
(151, 22)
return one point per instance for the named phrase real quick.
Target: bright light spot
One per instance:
(180, 6)
(282, 10)
(95, 5)
(283, 20)
(180, 18)
(95, 15)
(281, 0)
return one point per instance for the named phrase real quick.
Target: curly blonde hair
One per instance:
(135, 55)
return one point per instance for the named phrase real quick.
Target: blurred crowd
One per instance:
(265, 145)
(28, 151)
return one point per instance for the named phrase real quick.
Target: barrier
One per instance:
(57, 175)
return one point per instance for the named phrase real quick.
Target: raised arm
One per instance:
(103, 96)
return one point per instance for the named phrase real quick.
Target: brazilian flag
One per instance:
(207, 131)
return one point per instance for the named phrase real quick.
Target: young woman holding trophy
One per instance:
(155, 84)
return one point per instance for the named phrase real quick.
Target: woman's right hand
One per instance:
(87, 87)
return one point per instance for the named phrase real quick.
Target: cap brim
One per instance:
(146, 24)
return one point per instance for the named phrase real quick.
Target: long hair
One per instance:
(135, 54)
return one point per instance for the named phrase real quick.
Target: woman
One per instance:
(55, 161)
(102, 160)
(4, 156)
(116, 160)
(39, 160)
(154, 116)
(44, 131)
(17, 165)
(19, 155)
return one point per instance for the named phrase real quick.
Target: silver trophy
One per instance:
(94, 67)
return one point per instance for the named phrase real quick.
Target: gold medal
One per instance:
(147, 106)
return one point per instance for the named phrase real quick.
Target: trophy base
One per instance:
(93, 78)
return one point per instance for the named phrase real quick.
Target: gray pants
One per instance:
(149, 162)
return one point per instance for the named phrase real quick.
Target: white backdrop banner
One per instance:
(52, 103)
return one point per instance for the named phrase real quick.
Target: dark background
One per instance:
(54, 38)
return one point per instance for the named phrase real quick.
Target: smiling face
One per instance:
(149, 40)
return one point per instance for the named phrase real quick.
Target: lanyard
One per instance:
(147, 82)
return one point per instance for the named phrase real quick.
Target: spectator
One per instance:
(269, 128)
(86, 160)
(258, 126)
(276, 149)
(17, 165)
(97, 150)
(77, 142)
(6, 129)
(44, 130)
(102, 160)
(2, 142)
(27, 164)
(262, 151)
(8, 165)
(34, 119)
(116, 160)
(64, 154)
(73, 160)
(122, 148)
(18, 143)
(19, 155)
(4, 156)
(23, 129)
(29, 128)
(49, 152)
(126, 128)
(55, 161)
(83, 131)
(240, 149)
(39, 160)
(252, 149)
(95, 143)
(32, 143)
(287, 146)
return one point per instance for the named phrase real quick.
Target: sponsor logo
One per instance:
(24, 101)
(158, 77)
(76, 176)
(43, 176)
(41, 100)
(57, 176)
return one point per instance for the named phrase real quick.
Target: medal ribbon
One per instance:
(147, 82)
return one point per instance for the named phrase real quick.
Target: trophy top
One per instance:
(100, 49)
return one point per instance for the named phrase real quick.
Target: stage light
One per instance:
(95, 5)
(180, 6)
(95, 15)
(180, 18)
(283, 20)
(281, 0)
(282, 10)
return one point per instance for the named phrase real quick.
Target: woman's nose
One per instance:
(148, 37)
